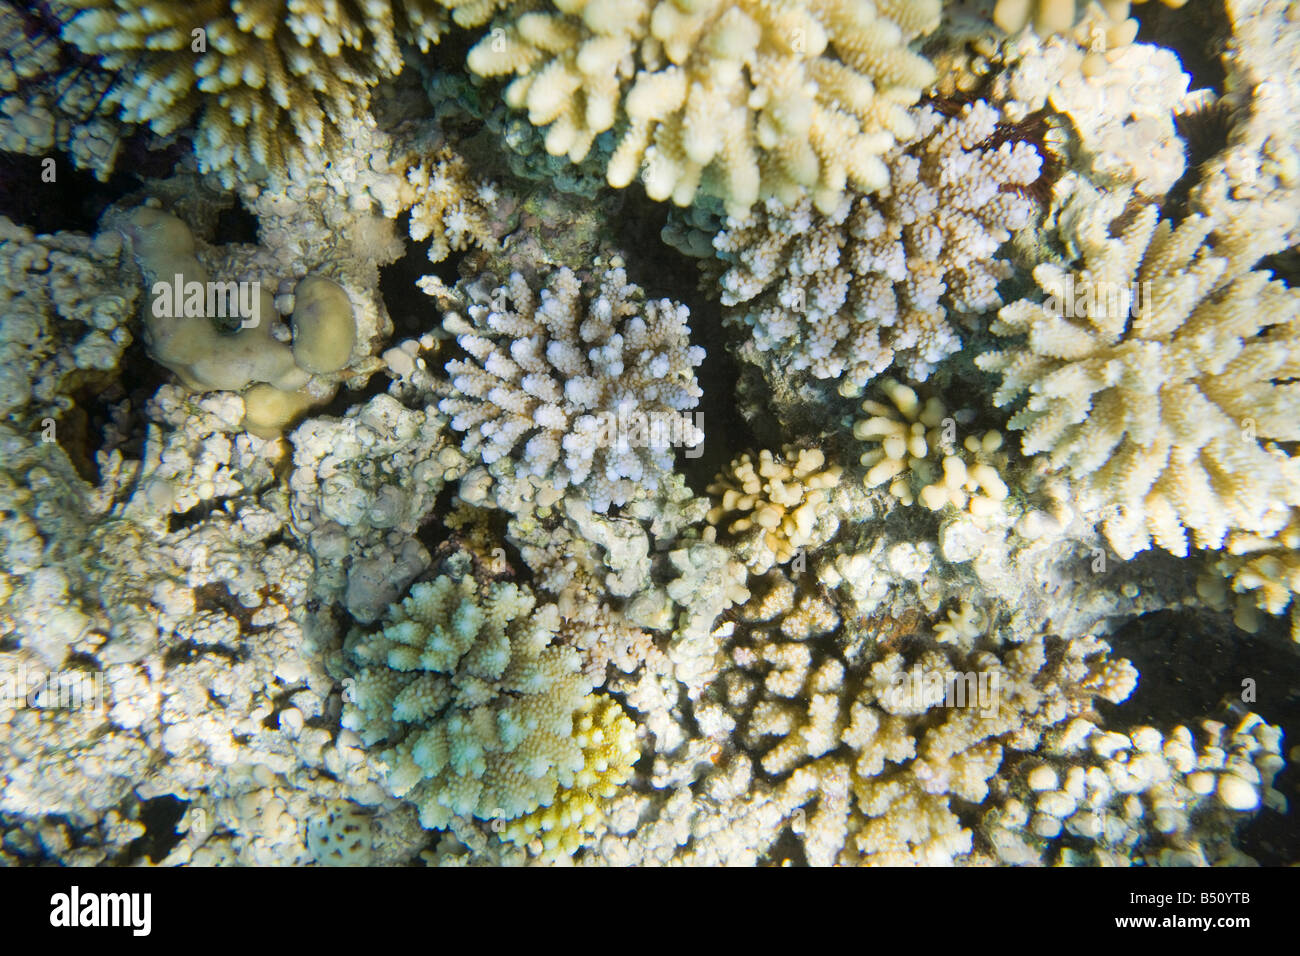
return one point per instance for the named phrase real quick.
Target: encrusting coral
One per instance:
(847, 292)
(67, 308)
(183, 333)
(739, 99)
(596, 376)
(1159, 381)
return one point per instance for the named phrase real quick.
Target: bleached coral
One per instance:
(870, 282)
(778, 507)
(1170, 799)
(360, 489)
(471, 699)
(597, 376)
(916, 442)
(67, 304)
(736, 98)
(1157, 378)
(270, 81)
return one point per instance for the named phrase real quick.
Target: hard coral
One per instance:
(270, 80)
(1162, 381)
(597, 375)
(846, 293)
(740, 99)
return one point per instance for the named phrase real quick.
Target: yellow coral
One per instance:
(778, 507)
(607, 737)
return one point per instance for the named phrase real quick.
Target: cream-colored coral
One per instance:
(871, 282)
(271, 80)
(1158, 379)
(607, 737)
(918, 454)
(1094, 797)
(740, 99)
(1265, 572)
(1059, 16)
(776, 507)
(448, 206)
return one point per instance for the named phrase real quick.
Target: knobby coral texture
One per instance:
(647, 432)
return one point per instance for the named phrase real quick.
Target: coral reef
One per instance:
(342, 381)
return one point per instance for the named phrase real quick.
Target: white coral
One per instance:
(583, 385)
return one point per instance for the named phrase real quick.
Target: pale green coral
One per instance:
(471, 698)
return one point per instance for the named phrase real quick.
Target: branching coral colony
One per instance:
(997, 330)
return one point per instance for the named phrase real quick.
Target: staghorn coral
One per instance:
(270, 81)
(774, 509)
(598, 376)
(470, 697)
(739, 99)
(847, 292)
(916, 442)
(1158, 380)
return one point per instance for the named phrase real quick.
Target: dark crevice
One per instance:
(235, 224)
(160, 816)
(664, 272)
(412, 312)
